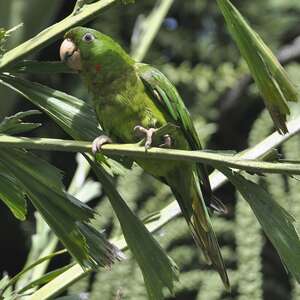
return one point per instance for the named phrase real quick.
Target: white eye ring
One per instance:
(88, 37)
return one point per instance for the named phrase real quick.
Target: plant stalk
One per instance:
(87, 12)
(133, 150)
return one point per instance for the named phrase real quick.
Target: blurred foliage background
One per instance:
(194, 50)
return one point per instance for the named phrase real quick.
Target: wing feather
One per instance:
(165, 93)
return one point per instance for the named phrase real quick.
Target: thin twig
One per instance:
(136, 151)
(45, 37)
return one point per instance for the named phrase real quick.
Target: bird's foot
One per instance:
(167, 141)
(147, 133)
(99, 142)
(149, 136)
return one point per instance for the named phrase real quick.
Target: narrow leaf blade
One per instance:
(270, 77)
(68, 217)
(76, 117)
(276, 222)
(14, 124)
(158, 269)
(12, 196)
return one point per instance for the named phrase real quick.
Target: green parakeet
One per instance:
(131, 98)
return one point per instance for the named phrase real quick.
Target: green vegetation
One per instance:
(43, 107)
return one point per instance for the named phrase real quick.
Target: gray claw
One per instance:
(99, 142)
(167, 142)
(148, 133)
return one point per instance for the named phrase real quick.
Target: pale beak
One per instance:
(70, 54)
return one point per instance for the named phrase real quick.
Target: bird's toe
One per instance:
(99, 142)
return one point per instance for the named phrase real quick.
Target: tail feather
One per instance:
(209, 242)
(195, 212)
(209, 199)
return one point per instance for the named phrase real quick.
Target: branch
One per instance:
(45, 37)
(134, 150)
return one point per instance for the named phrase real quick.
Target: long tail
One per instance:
(194, 210)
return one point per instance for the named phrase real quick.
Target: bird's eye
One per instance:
(88, 37)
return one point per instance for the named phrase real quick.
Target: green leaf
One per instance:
(12, 195)
(67, 216)
(13, 124)
(28, 268)
(43, 244)
(53, 32)
(270, 77)
(74, 116)
(4, 34)
(6, 294)
(48, 67)
(2, 41)
(276, 222)
(158, 269)
(44, 279)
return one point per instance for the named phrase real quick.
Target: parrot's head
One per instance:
(89, 51)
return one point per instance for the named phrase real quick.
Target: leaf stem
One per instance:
(45, 37)
(133, 150)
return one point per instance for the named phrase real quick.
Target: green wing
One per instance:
(165, 94)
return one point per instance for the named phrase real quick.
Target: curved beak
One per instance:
(70, 54)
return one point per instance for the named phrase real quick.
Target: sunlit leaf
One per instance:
(14, 124)
(4, 34)
(67, 216)
(158, 269)
(73, 115)
(53, 32)
(43, 244)
(28, 268)
(88, 191)
(6, 294)
(142, 36)
(2, 41)
(44, 279)
(270, 77)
